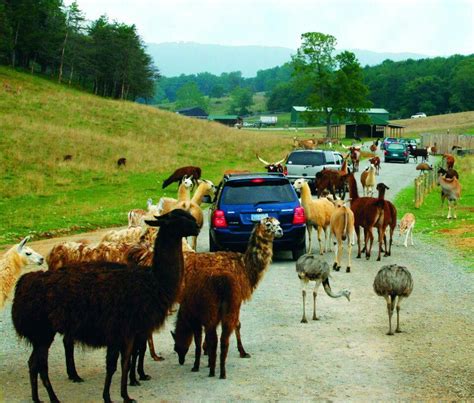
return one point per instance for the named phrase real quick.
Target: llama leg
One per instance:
(303, 292)
(357, 231)
(321, 250)
(111, 363)
(449, 210)
(309, 228)
(225, 335)
(153, 354)
(133, 366)
(454, 209)
(42, 362)
(125, 354)
(398, 330)
(240, 347)
(211, 337)
(387, 250)
(197, 330)
(315, 294)
(411, 235)
(349, 253)
(406, 238)
(390, 302)
(339, 253)
(336, 264)
(141, 360)
(70, 365)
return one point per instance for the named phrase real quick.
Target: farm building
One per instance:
(228, 120)
(194, 112)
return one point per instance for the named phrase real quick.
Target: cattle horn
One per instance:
(262, 160)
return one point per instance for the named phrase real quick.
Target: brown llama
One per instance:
(177, 176)
(375, 161)
(121, 162)
(215, 285)
(368, 213)
(331, 180)
(449, 158)
(389, 219)
(93, 306)
(67, 157)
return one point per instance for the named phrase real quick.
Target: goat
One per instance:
(449, 158)
(331, 180)
(121, 162)
(273, 166)
(407, 223)
(342, 228)
(375, 161)
(11, 264)
(136, 217)
(313, 268)
(67, 157)
(451, 190)
(422, 167)
(367, 178)
(192, 172)
(102, 307)
(318, 214)
(368, 212)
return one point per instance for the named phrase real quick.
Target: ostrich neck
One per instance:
(329, 292)
(257, 257)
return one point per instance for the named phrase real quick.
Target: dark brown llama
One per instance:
(389, 218)
(215, 285)
(331, 180)
(67, 157)
(177, 176)
(102, 307)
(121, 162)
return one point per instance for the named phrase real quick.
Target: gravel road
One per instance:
(346, 355)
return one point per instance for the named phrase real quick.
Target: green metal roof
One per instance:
(223, 117)
(370, 110)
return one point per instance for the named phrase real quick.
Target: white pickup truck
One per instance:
(307, 163)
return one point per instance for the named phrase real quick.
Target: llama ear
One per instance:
(155, 223)
(173, 334)
(22, 243)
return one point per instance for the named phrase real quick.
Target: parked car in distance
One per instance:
(418, 115)
(307, 163)
(388, 140)
(409, 142)
(244, 199)
(396, 152)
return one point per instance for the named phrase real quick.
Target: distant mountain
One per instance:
(175, 58)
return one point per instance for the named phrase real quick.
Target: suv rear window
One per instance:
(396, 146)
(257, 192)
(306, 158)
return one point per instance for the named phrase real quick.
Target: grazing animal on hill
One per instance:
(375, 161)
(368, 213)
(11, 264)
(192, 172)
(102, 307)
(422, 167)
(273, 166)
(121, 162)
(310, 267)
(407, 223)
(449, 160)
(367, 178)
(393, 282)
(309, 144)
(318, 215)
(331, 180)
(342, 228)
(67, 157)
(451, 190)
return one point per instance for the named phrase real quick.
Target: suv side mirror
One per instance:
(206, 199)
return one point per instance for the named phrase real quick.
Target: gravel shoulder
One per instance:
(343, 356)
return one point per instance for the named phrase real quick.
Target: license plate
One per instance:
(395, 155)
(258, 217)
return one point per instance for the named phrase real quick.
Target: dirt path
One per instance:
(343, 356)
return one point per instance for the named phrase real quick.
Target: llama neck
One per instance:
(183, 193)
(168, 263)
(382, 193)
(201, 190)
(258, 256)
(353, 192)
(305, 194)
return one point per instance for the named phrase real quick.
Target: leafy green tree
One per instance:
(6, 42)
(217, 91)
(189, 96)
(242, 100)
(462, 86)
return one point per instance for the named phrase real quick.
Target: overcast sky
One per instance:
(433, 28)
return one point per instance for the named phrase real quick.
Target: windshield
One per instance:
(306, 158)
(258, 193)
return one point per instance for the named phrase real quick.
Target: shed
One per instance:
(228, 120)
(194, 112)
(377, 127)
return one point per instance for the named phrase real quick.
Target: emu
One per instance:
(94, 307)
(393, 282)
(11, 264)
(310, 267)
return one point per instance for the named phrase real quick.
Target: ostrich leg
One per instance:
(390, 302)
(303, 291)
(315, 294)
(398, 330)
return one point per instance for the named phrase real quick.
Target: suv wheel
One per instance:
(299, 251)
(212, 245)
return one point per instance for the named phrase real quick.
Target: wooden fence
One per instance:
(424, 184)
(445, 142)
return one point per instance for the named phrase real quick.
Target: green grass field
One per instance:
(431, 219)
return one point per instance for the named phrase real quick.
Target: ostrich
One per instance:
(313, 268)
(393, 281)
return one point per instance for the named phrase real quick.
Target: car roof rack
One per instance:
(253, 175)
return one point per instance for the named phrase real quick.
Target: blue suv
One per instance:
(244, 199)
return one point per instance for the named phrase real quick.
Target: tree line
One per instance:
(103, 57)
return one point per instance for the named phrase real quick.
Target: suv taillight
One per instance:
(285, 170)
(298, 217)
(218, 219)
(385, 152)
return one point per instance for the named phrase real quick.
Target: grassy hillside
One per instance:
(42, 121)
(457, 123)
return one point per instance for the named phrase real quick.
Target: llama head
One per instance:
(178, 222)
(182, 341)
(28, 255)
(299, 183)
(187, 181)
(382, 186)
(271, 227)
